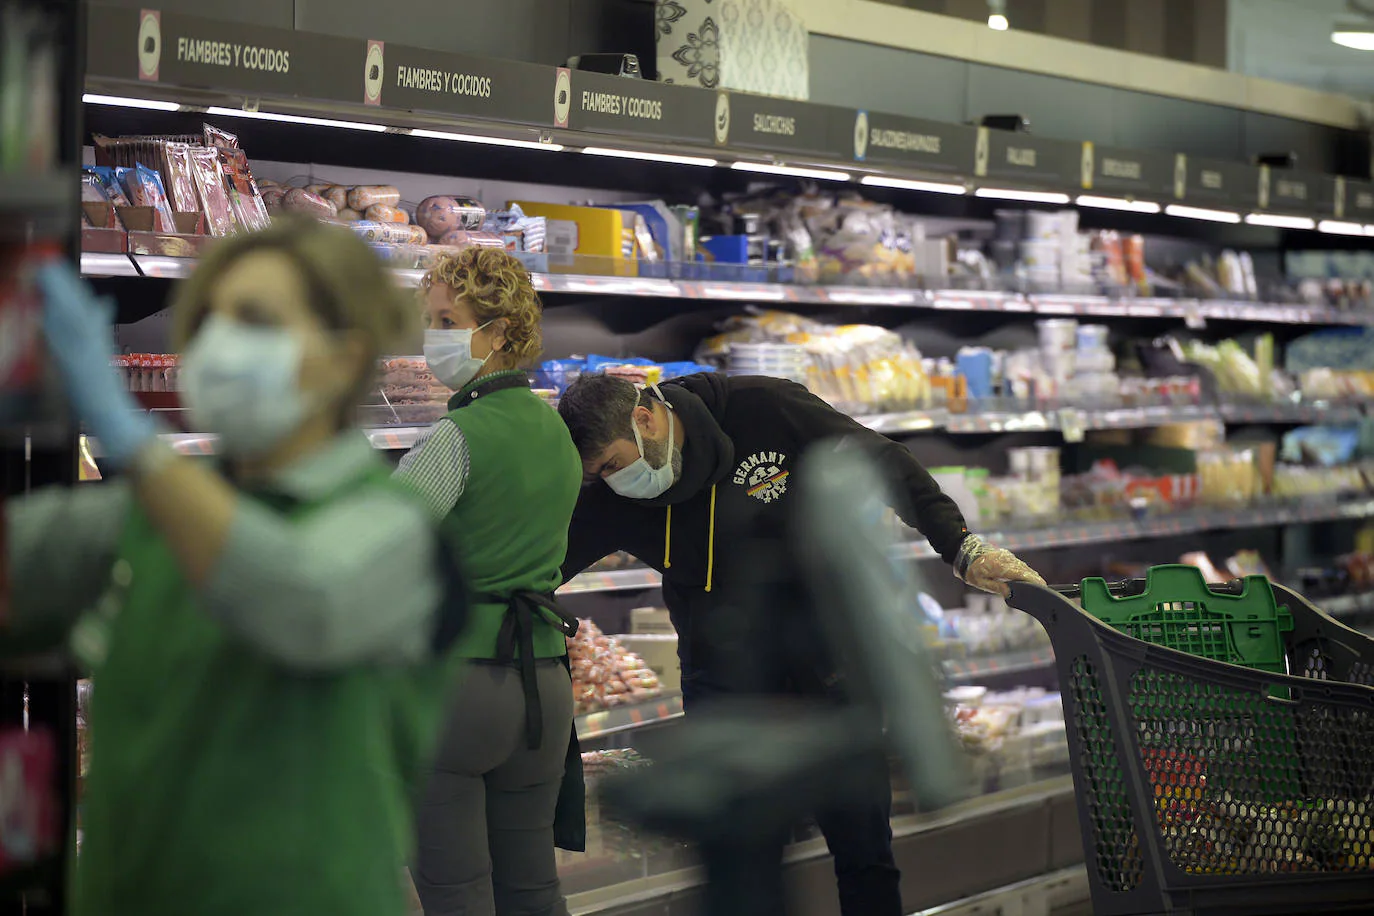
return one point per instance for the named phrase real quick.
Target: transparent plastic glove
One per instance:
(77, 324)
(990, 568)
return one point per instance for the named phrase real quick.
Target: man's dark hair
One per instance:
(597, 409)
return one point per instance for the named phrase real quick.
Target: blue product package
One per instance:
(975, 365)
(728, 249)
(595, 363)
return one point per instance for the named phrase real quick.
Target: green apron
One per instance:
(223, 784)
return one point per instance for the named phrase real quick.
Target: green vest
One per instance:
(222, 784)
(510, 528)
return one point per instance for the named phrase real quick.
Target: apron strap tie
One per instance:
(515, 643)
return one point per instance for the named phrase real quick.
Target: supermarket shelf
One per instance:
(615, 580)
(962, 670)
(625, 718)
(1177, 523)
(1347, 605)
(1190, 310)
(43, 206)
(101, 264)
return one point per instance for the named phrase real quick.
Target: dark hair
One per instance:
(597, 409)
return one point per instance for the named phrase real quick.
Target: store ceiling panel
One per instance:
(1290, 41)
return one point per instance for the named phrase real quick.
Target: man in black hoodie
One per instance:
(690, 478)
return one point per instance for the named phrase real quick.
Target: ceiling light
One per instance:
(1353, 35)
(997, 22)
(1034, 197)
(294, 119)
(489, 141)
(1274, 221)
(1117, 203)
(650, 157)
(122, 102)
(768, 168)
(933, 187)
(1215, 216)
(1336, 227)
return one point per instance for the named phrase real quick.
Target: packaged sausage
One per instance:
(214, 198)
(301, 200)
(337, 195)
(462, 238)
(382, 233)
(144, 187)
(349, 215)
(271, 198)
(418, 236)
(440, 215)
(363, 197)
(383, 213)
(319, 190)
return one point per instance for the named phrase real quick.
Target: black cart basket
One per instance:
(1206, 787)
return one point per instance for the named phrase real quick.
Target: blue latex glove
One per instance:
(78, 326)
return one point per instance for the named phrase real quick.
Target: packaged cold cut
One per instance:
(366, 196)
(384, 213)
(349, 215)
(182, 184)
(111, 184)
(440, 215)
(337, 195)
(244, 196)
(319, 190)
(144, 187)
(301, 200)
(463, 238)
(382, 233)
(418, 236)
(214, 197)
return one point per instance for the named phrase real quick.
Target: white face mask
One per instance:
(243, 382)
(639, 480)
(449, 355)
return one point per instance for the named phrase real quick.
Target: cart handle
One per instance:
(1127, 587)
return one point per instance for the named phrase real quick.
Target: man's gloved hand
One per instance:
(78, 326)
(990, 568)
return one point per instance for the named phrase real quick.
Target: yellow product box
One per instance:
(603, 243)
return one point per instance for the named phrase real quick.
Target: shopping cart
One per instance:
(1205, 786)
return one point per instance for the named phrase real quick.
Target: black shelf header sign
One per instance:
(1292, 190)
(780, 125)
(914, 142)
(1358, 202)
(397, 76)
(1115, 171)
(1209, 183)
(642, 108)
(1013, 156)
(151, 46)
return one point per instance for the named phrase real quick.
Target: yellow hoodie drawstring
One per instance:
(668, 541)
(710, 541)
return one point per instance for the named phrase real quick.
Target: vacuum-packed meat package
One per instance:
(361, 198)
(303, 201)
(441, 214)
(181, 183)
(214, 198)
(384, 213)
(144, 187)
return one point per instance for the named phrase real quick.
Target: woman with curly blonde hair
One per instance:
(501, 476)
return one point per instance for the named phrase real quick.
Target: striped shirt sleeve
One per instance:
(437, 467)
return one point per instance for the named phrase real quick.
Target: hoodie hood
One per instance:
(707, 452)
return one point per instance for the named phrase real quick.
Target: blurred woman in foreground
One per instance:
(261, 686)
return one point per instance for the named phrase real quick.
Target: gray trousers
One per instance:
(485, 817)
